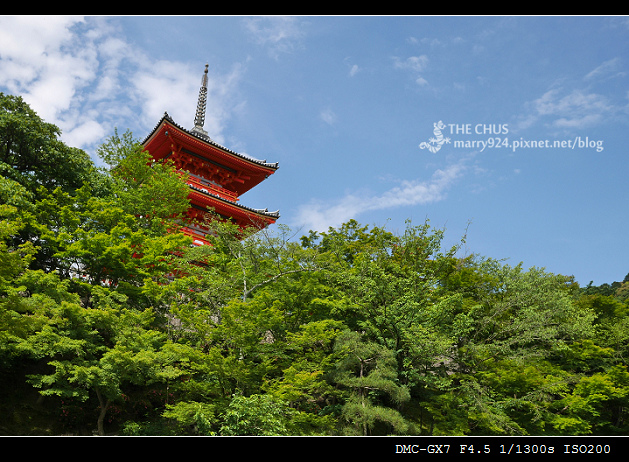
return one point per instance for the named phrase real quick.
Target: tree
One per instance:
(151, 191)
(389, 290)
(73, 283)
(307, 359)
(369, 373)
(100, 352)
(32, 154)
(255, 415)
(596, 406)
(14, 263)
(528, 318)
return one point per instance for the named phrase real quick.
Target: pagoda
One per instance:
(217, 176)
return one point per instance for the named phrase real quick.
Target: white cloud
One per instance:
(353, 68)
(164, 86)
(328, 116)
(48, 66)
(576, 109)
(28, 39)
(421, 81)
(319, 216)
(414, 64)
(85, 134)
(608, 69)
(83, 75)
(575, 106)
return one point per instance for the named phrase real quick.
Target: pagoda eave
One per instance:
(240, 214)
(168, 139)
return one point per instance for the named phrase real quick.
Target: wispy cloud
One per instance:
(328, 116)
(415, 64)
(576, 105)
(576, 109)
(607, 70)
(280, 34)
(319, 215)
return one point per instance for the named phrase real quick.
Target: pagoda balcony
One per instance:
(212, 189)
(197, 237)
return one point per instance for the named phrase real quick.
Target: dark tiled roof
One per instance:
(207, 139)
(264, 212)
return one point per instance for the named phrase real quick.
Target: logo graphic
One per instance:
(434, 144)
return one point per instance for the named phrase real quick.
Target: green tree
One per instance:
(93, 241)
(596, 406)
(369, 373)
(255, 415)
(100, 352)
(307, 358)
(388, 288)
(152, 191)
(14, 263)
(74, 270)
(32, 154)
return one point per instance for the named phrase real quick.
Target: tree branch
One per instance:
(273, 279)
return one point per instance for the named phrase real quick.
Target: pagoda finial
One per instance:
(199, 118)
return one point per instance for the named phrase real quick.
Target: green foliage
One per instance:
(368, 371)
(154, 195)
(192, 418)
(122, 327)
(255, 415)
(32, 154)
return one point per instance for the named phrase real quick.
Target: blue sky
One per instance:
(535, 116)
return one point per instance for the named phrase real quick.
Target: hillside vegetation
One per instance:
(112, 323)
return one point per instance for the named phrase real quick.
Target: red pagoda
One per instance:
(217, 176)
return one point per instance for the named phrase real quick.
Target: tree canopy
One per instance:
(111, 322)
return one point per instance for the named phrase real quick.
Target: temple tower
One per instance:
(216, 175)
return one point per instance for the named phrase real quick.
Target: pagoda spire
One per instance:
(199, 118)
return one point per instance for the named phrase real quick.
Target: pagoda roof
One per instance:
(262, 212)
(206, 139)
(246, 171)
